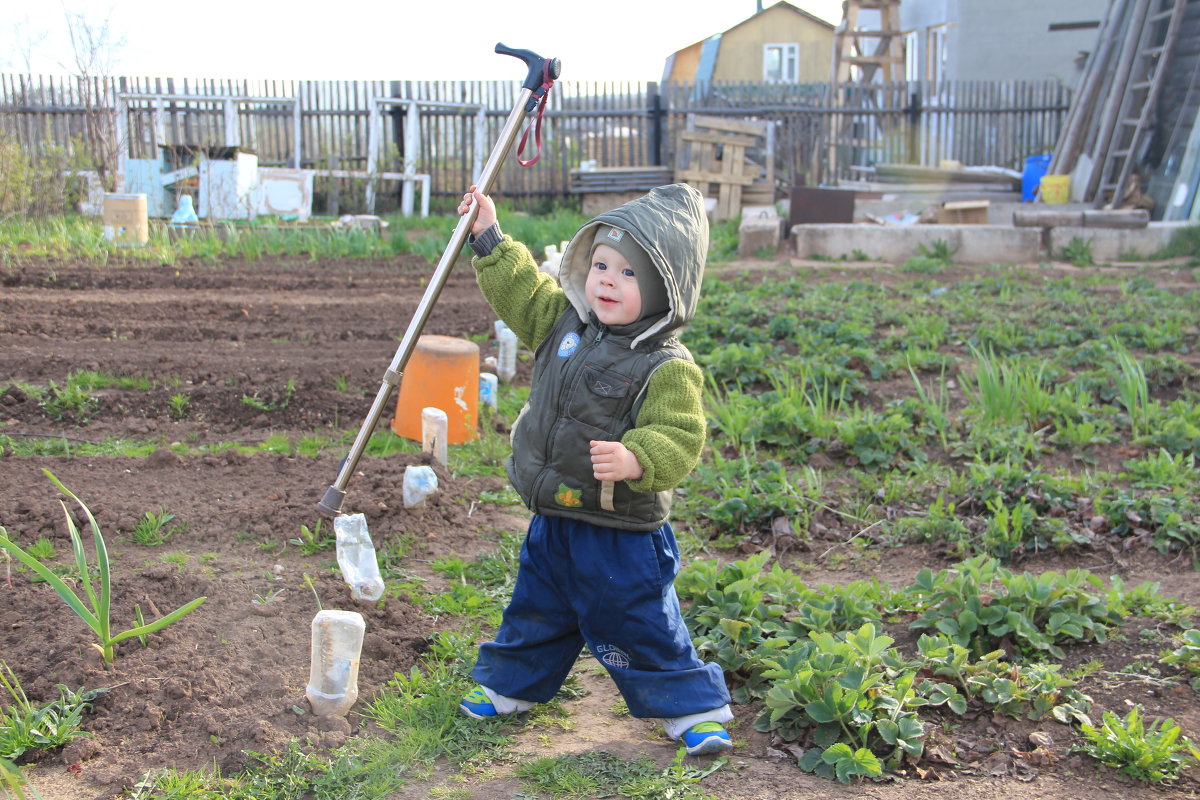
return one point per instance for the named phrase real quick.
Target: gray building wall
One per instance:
(988, 40)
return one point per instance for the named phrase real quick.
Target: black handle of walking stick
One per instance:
(539, 68)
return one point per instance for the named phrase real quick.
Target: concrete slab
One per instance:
(1046, 218)
(759, 230)
(1116, 218)
(1001, 205)
(971, 244)
(1118, 244)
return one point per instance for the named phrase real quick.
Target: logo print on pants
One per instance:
(613, 656)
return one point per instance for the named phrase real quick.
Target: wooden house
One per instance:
(779, 44)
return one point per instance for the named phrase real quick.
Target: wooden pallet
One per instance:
(712, 153)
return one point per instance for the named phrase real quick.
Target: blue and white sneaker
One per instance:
(706, 739)
(477, 705)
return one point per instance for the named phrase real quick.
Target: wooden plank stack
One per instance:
(618, 179)
(712, 157)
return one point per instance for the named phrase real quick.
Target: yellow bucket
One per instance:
(1055, 188)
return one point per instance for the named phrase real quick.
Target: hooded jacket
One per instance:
(633, 383)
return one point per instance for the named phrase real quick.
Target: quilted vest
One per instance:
(588, 384)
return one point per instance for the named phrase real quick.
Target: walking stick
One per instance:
(542, 74)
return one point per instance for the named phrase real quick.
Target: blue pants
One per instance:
(612, 590)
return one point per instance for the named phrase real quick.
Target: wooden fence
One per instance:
(817, 141)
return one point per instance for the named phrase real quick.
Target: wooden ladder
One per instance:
(860, 77)
(1139, 81)
(848, 53)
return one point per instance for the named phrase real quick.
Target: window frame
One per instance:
(788, 51)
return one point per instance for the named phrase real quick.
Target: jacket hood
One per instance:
(671, 225)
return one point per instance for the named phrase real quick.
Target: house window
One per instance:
(936, 54)
(781, 63)
(912, 56)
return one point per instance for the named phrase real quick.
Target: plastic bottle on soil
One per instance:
(488, 390)
(434, 434)
(356, 557)
(337, 638)
(419, 483)
(506, 369)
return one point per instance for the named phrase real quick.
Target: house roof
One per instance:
(780, 4)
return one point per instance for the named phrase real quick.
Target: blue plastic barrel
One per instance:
(1035, 168)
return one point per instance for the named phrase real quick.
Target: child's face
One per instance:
(612, 288)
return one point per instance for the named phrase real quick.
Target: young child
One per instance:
(613, 423)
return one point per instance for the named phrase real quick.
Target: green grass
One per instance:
(154, 529)
(81, 238)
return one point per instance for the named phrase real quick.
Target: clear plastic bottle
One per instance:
(488, 390)
(337, 638)
(420, 482)
(506, 369)
(435, 432)
(356, 557)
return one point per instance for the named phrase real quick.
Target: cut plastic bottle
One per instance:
(435, 426)
(356, 557)
(337, 638)
(488, 390)
(419, 483)
(506, 369)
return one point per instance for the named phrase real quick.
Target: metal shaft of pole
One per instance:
(331, 503)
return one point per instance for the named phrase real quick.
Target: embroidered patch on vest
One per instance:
(565, 496)
(568, 345)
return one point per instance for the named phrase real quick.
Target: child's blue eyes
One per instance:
(627, 272)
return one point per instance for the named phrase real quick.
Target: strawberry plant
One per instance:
(1166, 520)
(1031, 691)
(853, 695)
(1187, 655)
(980, 604)
(748, 493)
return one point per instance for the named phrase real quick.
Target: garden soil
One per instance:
(309, 343)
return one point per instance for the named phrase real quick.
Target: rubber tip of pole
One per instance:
(331, 503)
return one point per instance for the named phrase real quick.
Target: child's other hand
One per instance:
(612, 461)
(487, 210)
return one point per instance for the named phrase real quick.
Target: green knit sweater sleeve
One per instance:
(527, 299)
(670, 427)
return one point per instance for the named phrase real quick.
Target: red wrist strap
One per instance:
(536, 124)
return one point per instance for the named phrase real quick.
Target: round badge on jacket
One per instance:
(568, 345)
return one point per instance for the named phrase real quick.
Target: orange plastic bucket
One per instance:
(442, 372)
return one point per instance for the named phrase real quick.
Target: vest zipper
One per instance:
(540, 478)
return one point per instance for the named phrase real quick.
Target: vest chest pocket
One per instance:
(601, 399)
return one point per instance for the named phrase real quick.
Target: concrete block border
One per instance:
(970, 244)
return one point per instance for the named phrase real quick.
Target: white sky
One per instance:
(369, 39)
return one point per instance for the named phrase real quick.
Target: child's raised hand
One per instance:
(487, 210)
(613, 461)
